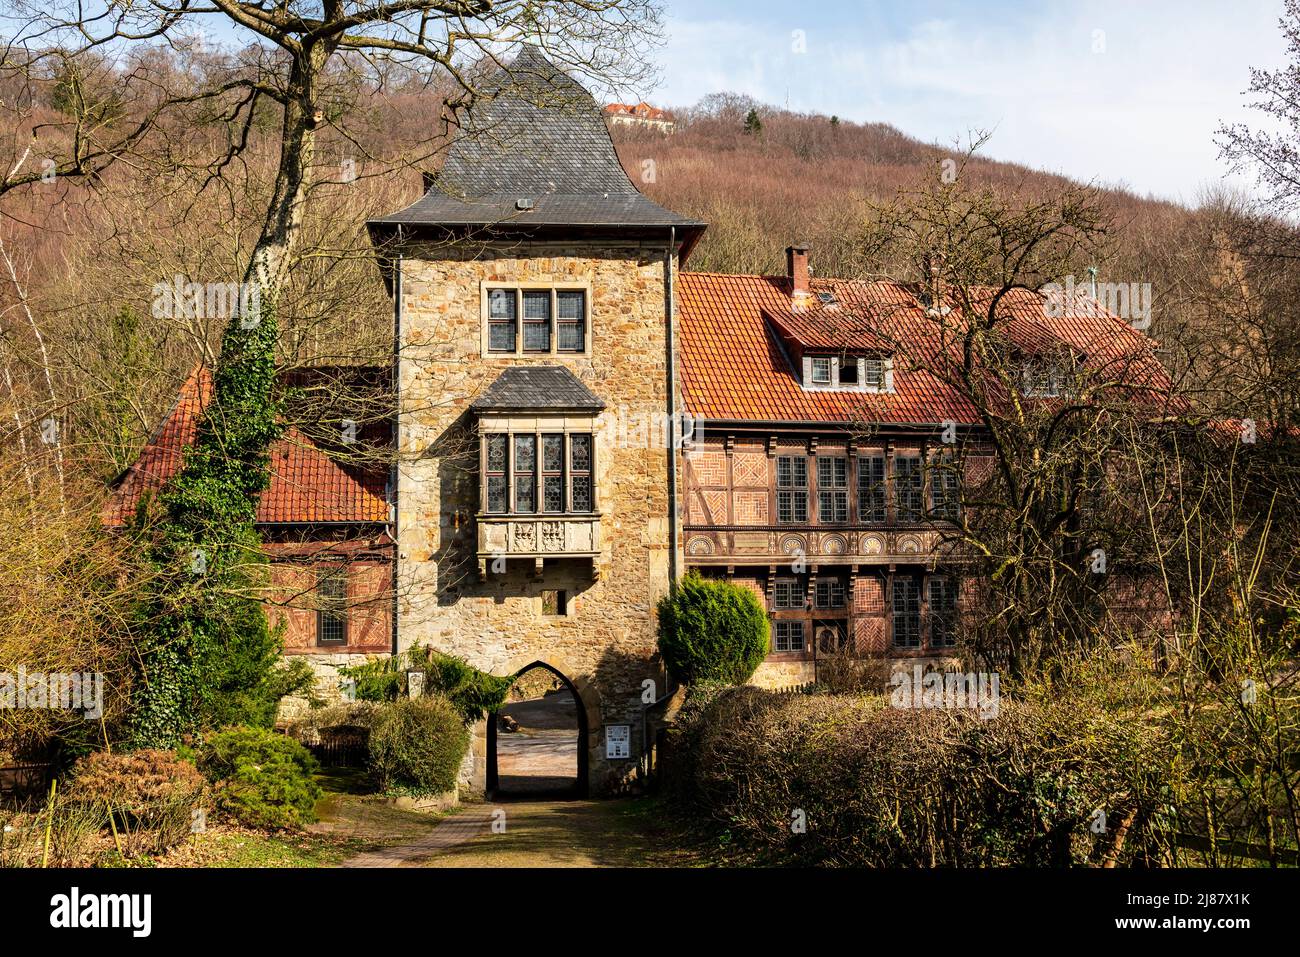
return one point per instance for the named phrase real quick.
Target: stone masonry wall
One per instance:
(606, 644)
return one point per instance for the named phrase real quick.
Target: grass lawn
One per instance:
(351, 821)
(627, 832)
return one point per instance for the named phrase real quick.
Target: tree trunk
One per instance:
(270, 260)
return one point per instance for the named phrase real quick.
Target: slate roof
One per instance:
(307, 485)
(739, 334)
(538, 136)
(537, 387)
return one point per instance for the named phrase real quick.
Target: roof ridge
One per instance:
(784, 278)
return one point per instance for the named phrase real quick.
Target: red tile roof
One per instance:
(642, 110)
(739, 333)
(307, 485)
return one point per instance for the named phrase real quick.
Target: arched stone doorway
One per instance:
(537, 740)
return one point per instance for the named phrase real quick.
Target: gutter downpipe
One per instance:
(673, 429)
(671, 434)
(397, 440)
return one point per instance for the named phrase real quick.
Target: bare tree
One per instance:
(297, 52)
(1273, 156)
(1045, 516)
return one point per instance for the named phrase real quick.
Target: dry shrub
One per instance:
(152, 796)
(75, 836)
(889, 787)
(65, 598)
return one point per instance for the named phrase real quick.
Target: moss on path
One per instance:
(614, 833)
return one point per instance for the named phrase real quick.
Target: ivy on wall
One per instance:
(207, 655)
(472, 692)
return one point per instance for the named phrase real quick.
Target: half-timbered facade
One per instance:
(828, 458)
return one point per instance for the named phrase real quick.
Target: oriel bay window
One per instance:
(580, 496)
(545, 321)
(552, 473)
(525, 473)
(495, 471)
(537, 473)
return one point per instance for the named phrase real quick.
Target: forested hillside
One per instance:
(806, 177)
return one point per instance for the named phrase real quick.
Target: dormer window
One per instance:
(1042, 380)
(858, 373)
(873, 379)
(536, 320)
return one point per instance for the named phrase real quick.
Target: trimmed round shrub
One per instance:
(712, 631)
(263, 779)
(417, 745)
(151, 795)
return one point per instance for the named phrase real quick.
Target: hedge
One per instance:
(850, 780)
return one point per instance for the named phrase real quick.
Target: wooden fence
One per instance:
(24, 779)
(805, 688)
(342, 747)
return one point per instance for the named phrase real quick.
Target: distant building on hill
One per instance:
(640, 114)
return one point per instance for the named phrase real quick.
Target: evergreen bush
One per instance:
(417, 745)
(263, 779)
(712, 631)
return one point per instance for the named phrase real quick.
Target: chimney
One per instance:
(796, 268)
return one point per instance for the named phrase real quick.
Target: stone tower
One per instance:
(533, 301)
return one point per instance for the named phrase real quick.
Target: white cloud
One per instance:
(1135, 103)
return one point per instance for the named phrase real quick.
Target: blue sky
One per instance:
(1121, 93)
